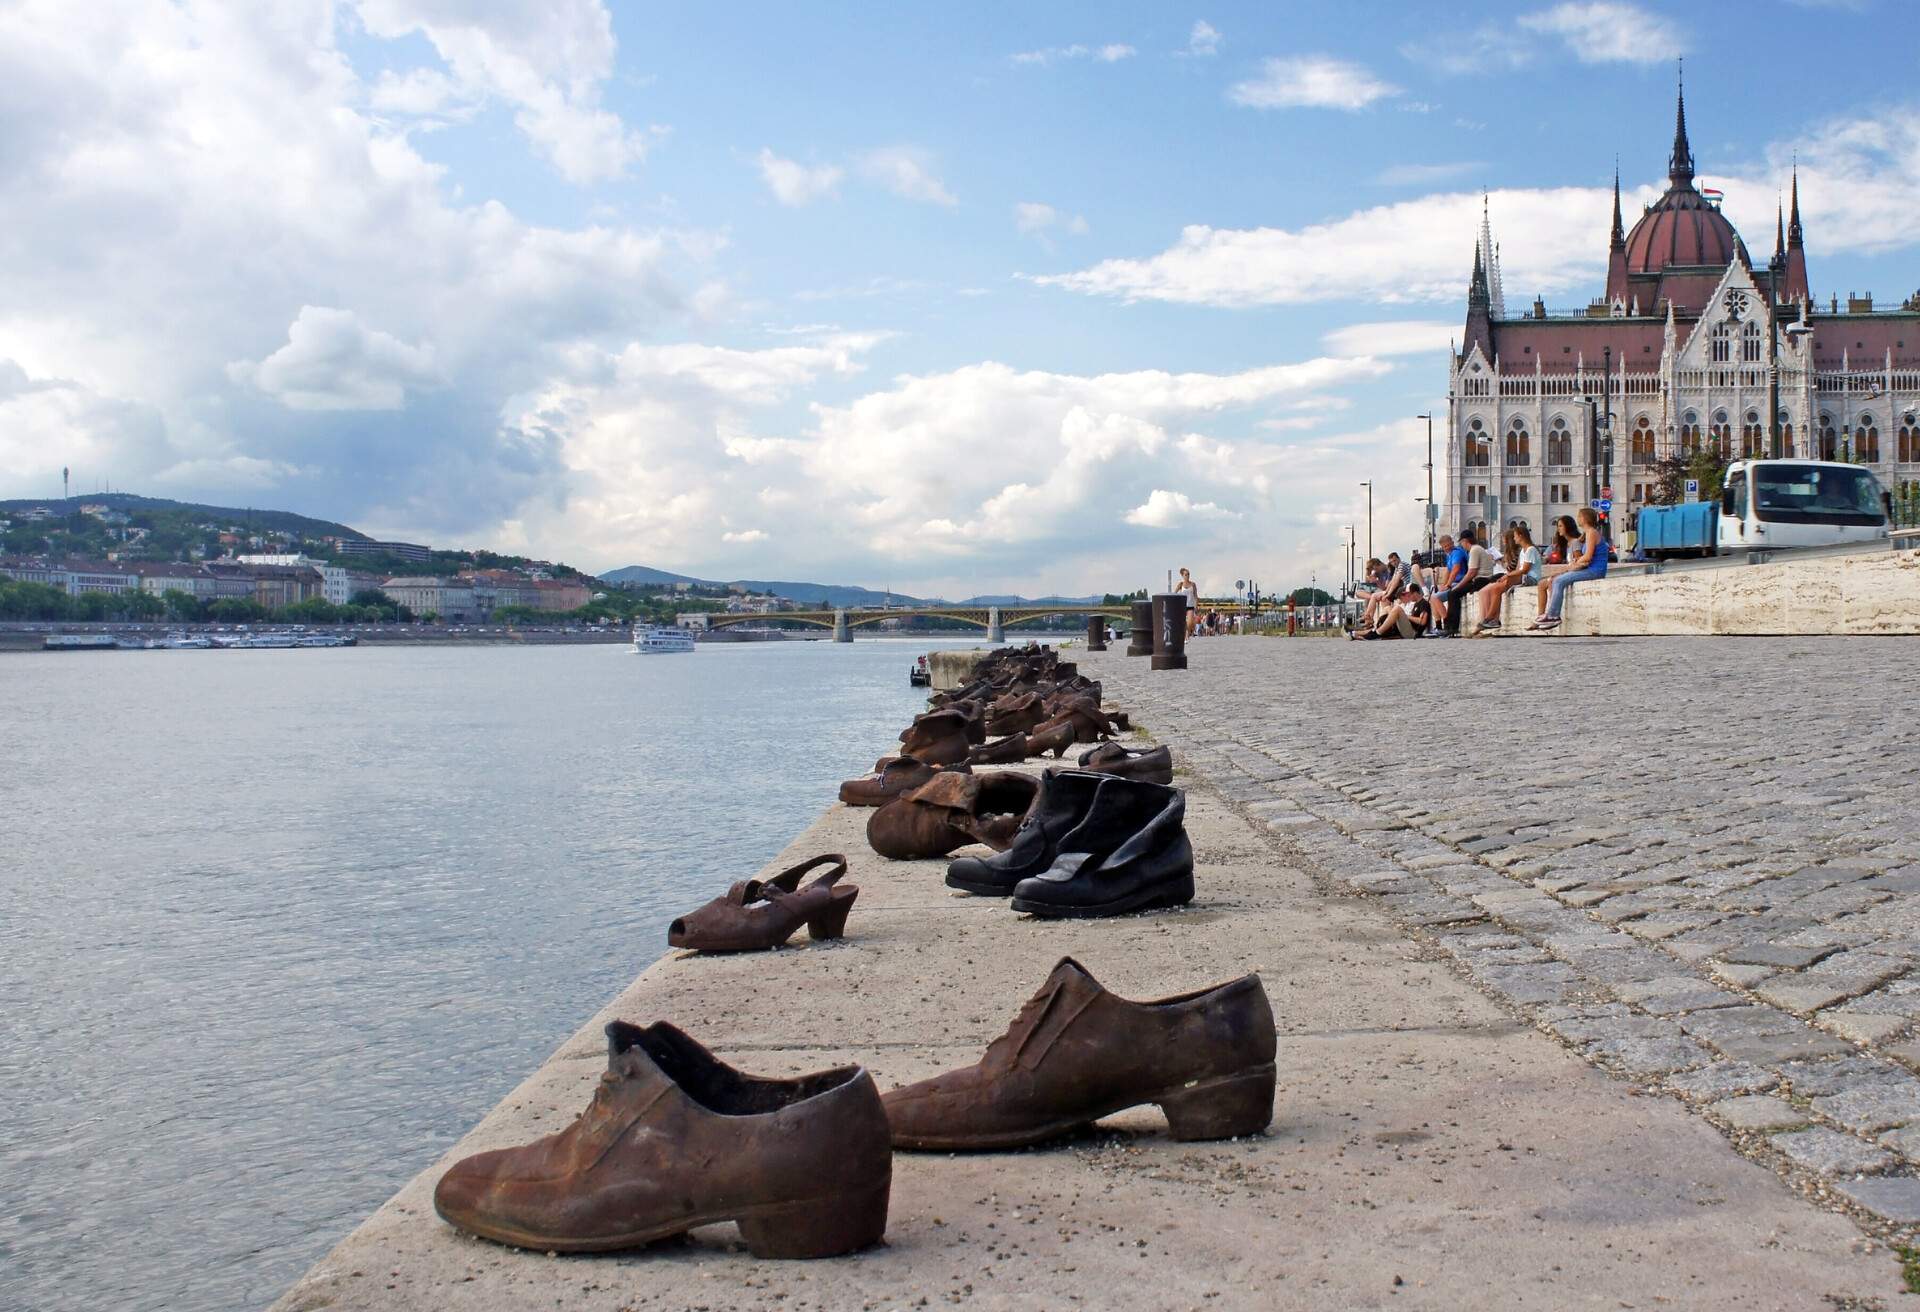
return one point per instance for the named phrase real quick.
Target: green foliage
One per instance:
(1311, 597)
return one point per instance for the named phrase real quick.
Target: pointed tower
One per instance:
(1617, 250)
(1680, 162)
(1794, 286)
(1488, 254)
(1479, 310)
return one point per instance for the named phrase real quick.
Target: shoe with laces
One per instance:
(1076, 1053)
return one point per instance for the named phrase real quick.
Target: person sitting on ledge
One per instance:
(1589, 562)
(1522, 566)
(1406, 618)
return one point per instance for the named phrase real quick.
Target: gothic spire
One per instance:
(1619, 241)
(1477, 293)
(1794, 236)
(1779, 233)
(1680, 163)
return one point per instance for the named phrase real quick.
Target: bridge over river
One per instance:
(994, 619)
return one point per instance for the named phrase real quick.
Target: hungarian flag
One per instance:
(1712, 194)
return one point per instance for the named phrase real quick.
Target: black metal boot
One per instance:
(1129, 853)
(1064, 798)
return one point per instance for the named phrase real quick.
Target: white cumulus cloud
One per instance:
(1399, 337)
(332, 361)
(1203, 40)
(1164, 509)
(1035, 219)
(794, 183)
(1310, 82)
(907, 171)
(743, 537)
(1608, 32)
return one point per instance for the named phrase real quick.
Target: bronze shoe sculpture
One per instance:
(1010, 715)
(1055, 738)
(754, 914)
(1129, 852)
(1065, 796)
(950, 811)
(1010, 750)
(675, 1138)
(893, 776)
(1151, 764)
(937, 737)
(1076, 1053)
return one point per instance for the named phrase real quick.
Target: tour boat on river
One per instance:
(651, 642)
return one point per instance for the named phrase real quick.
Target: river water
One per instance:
(276, 927)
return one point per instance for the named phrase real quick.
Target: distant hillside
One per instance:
(281, 521)
(828, 594)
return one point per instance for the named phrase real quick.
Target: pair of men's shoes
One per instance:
(952, 809)
(1091, 845)
(675, 1138)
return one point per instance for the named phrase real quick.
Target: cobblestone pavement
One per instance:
(1695, 860)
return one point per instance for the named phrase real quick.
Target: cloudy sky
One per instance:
(952, 298)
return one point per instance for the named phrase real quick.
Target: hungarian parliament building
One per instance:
(1677, 353)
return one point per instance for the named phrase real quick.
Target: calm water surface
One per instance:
(277, 926)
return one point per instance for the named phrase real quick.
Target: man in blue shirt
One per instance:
(1453, 588)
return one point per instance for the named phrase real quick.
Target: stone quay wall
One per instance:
(1548, 1035)
(1868, 593)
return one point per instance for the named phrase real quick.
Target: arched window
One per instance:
(1559, 442)
(1750, 343)
(1910, 439)
(1752, 442)
(1690, 433)
(1829, 440)
(1641, 442)
(1519, 444)
(1866, 440)
(1479, 449)
(1721, 434)
(1721, 343)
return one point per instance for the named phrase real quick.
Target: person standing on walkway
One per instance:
(1192, 589)
(1589, 562)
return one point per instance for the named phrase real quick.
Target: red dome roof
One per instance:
(1681, 228)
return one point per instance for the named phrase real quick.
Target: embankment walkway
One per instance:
(1436, 1144)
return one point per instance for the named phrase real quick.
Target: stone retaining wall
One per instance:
(1870, 593)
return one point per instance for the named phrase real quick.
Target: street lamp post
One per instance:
(1431, 516)
(1368, 485)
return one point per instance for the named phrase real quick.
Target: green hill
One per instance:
(272, 521)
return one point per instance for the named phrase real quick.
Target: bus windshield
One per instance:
(1816, 494)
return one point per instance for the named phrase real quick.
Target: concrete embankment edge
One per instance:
(1429, 1150)
(1872, 593)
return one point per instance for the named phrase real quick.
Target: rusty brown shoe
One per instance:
(675, 1138)
(757, 914)
(1076, 1053)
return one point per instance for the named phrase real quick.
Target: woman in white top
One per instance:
(1523, 566)
(1192, 589)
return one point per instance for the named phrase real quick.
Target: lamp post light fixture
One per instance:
(1367, 483)
(1431, 515)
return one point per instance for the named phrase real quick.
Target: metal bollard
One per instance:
(1170, 631)
(1141, 641)
(1096, 633)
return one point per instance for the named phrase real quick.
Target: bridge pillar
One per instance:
(841, 631)
(995, 633)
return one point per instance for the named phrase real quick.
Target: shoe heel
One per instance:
(832, 922)
(1222, 1108)
(819, 1229)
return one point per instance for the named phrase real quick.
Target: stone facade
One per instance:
(1692, 346)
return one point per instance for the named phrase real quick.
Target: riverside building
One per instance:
(1692, 346)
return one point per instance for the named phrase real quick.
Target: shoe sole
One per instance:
(1176, 895)
(1225, 1107)
(981, 890)
(816, 1227)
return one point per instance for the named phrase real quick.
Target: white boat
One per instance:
(649, 642)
